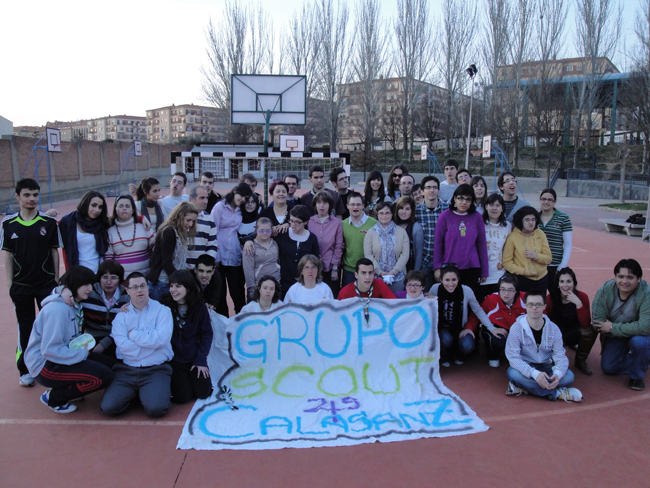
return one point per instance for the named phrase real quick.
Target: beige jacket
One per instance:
(372, 249)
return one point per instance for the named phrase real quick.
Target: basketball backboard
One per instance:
(284, 96)
(292, 143)
(53, 140)
(137, 148)
(487, 147)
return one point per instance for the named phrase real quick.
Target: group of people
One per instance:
(141, 284)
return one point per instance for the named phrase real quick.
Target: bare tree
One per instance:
(413, 59)
(370, 68)
(428, 118)
(598, 29)
(456, 51)
(335, 47)
(242, 43)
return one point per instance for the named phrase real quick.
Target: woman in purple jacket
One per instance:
(460, 239)
(329, 232)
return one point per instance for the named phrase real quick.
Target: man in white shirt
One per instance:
(176, 186)
(142, 338)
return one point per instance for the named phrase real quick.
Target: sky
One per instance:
(80, 59)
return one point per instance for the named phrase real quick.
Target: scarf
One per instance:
(145, 203)
(387, 260)
(68, 227)
(451, 304)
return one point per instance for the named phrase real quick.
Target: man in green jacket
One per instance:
(621, 313)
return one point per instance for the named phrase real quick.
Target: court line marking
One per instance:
(172, 423)
(575, 409)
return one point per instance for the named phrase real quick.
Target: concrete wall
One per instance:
(80, 166)
(609, 190)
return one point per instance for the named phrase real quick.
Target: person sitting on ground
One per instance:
(51, 356)
(106, 299)
(502, 308)
(414, 284)
(568, 308)
(263, 260)
(526, 252)
(454, 302)
(365, 284)
(177, 184)
(538, 362)
(209, 280)
(266, 296)
(621, 313)
(191, 339)
(142, 338)
(507, 184)
(310, 287)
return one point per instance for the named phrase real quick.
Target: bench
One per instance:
(619, 225)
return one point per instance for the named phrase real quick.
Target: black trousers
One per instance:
(234, 277)
(74, 380)
(186, 385)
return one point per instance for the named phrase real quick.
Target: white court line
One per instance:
(130, 423)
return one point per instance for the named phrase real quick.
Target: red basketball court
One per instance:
(602, 441)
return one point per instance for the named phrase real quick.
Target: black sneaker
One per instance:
(637, 385)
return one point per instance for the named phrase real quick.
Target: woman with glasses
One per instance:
(173, 240)
(394, 178)
(503, 308)
(454, 302)
(264, 258)
(373, 193)
(497, 230)
(329, 232)
(295, 244)
(559, 233)
(387, 245)
(460, 239)
(414, 286)
(526, 252)
(310, 287)
(128, 242)
(84, 232)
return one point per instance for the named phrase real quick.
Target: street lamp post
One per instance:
(471, 71)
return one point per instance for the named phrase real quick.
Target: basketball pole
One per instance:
(266, 130)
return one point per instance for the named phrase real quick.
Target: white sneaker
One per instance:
(514, 390)
(494, 363)
(67, 408)
(458, 362)
(569, 394)
(445, 364)
(26, 380)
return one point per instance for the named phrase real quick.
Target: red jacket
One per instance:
(498, 312)
(584, 313)
(379, 290)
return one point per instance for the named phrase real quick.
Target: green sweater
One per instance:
(604, 302)
(353, 237)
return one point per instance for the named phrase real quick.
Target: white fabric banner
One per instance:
(320, 375)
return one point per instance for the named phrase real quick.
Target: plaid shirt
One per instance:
(428, 219)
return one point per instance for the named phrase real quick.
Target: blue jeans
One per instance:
(465, 345)
(626, 355)
(531, 386)
(158, 290)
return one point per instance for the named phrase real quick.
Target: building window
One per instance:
(579, 67)
(569, 68)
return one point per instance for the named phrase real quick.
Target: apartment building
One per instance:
(558, 68)
(118, 128)
(168, 124)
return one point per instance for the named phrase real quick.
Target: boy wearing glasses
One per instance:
(538, 362)
(507, 184)
(142, 338)
(502, 308)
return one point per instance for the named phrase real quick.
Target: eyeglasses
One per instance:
(464, 199)
(413, 285)
(534, 305)
(264, 231)
(397, 175)
(547, 200)
(138, 287)
(507, 290)
(430, 187)
(354, 205)
(509, 180)
(296, 222)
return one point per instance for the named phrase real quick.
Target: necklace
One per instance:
(365, 302)
(120, 235)
(262, 308)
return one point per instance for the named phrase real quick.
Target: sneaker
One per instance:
(514, 390)
(26, 380)
(494, 363)
(458, 362)
(445, 364)
(569, 394)
(637, 385)
(67, 408)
